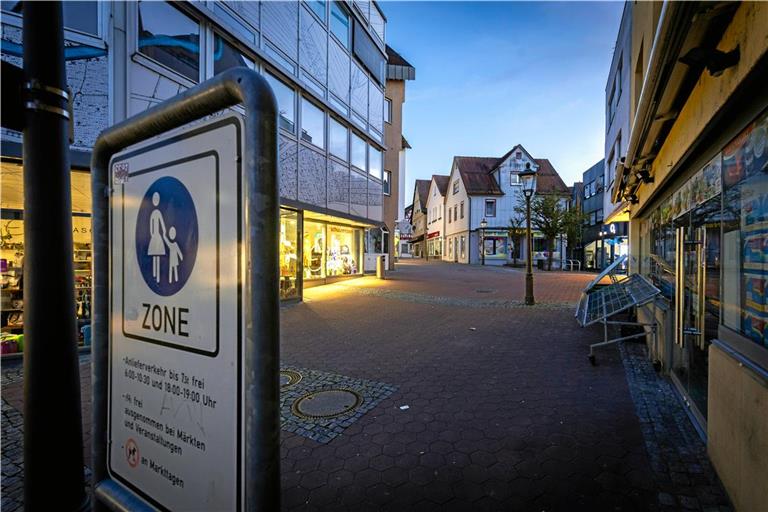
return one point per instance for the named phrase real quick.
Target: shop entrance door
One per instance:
(697, 306)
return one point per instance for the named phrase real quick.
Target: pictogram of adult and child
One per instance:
(166, 236)
(161, 239)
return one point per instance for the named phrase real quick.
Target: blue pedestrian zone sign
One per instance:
(176, 318)
(166, 236)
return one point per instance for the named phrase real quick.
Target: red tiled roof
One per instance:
(474, 172)
(547, 179)
(442, 183)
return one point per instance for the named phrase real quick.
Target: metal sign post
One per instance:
(186, 303)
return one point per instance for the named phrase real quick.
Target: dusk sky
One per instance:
(490, 75)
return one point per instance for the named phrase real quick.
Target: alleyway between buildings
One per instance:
(467, 401)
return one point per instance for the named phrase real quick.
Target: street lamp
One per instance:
(528, 179)
(483, 225)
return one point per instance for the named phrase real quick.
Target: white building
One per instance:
(489, 188)
(435, 217)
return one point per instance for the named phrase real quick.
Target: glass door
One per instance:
(697, 303)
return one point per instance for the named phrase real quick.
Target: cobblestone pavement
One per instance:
(488, 405)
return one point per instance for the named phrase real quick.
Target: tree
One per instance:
(572, 227)
(548, 216)
(516, 231)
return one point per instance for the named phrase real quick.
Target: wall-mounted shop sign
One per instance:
(175, 363)
(434, 234)
(496, 233)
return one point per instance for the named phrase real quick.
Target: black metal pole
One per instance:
(53, 436)
(529, 301)
(482, 247)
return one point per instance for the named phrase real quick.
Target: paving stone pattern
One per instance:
(681, 469)
(484, 407)
(323, 430)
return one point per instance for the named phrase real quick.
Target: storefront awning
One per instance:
(415, 239)
(619, 214)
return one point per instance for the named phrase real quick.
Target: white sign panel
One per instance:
(176, 320)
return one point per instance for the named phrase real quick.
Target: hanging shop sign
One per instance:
(175, 363)
(700, 188)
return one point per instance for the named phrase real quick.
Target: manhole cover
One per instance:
(289, 378)
(327, 404)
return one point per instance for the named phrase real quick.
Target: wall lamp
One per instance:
(714, 60)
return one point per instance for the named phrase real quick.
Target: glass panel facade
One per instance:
(339, 140)
(286, 103)
(314, 250)
(226, 56)
(312, 124)
(344, 256)
(289, 254)
(318, 7)
(338, 71)
(340, 25)
(359, 152)
(374, 162)
(359, 91)
(170, 37)
(313, 45)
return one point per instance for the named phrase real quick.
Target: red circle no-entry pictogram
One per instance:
(132, 453)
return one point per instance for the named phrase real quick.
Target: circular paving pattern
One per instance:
(327, 404)
(289, 378)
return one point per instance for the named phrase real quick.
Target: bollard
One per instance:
(381, 266)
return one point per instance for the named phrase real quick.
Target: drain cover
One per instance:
(327, 404)
(289, 378)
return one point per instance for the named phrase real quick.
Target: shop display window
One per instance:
(745, 233)
(343, 258)
(314, 250)
(289, 254)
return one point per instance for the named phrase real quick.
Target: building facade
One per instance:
(398, 72)
(419, 219)
(489, 188)
(326, 63)
(695, 181)
(435, 216)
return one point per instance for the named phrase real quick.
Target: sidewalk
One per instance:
(468, 403)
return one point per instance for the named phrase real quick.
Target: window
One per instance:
(339, 142)
(359, 152)
(455, 212)
(82, 16)
(312, 124)
(318, 7)
(599, 215)
(170, 37)
(519, 155)
(340, 23)
(456, 187)
(314, 250)
(374, 164)
(461, 210)
(490, 207)
(286, 103)
(226, 56)
(388, 110)
(235, 23)
(514, 178)
(387, 183)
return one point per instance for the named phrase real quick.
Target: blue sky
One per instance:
(490, 75)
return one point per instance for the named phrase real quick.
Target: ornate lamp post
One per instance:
(483, 225)
(528, 179)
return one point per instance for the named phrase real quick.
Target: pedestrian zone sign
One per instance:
(176, 319)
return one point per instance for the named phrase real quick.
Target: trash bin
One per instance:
(540, 264)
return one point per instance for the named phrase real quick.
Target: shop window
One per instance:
(339, 139)
(490, 207)
(314, 250)
(359, 148)
(289, 254)
(462, 247)
(745, 233)
(170, 37)
(286, 102)
(312, 124)
(343, 251)
(340, 23)
(226, 56)
(387, 183)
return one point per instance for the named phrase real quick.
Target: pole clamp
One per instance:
(43, 107)
(33, 87)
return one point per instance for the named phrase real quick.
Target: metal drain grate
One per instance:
(289, 378)
(328, 403)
